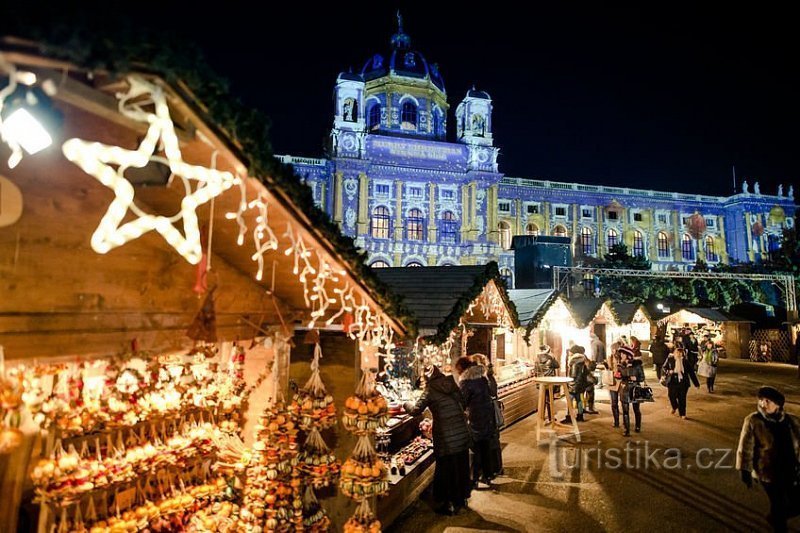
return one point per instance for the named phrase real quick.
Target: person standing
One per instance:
(692, 349)
(598, 349)
(546, 366)
(578, 371)
(451, 439)
(496, 451)
(630, 372)
(480, 414)
(769, 447)
(679, 372)
(612, 363)
(660, 351)
(709, 359)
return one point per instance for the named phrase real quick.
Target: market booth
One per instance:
(729, 331)
(153, 269)
(459, 310)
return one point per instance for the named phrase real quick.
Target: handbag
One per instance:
(499, 413)
(703, 369)
(607, 377)
(641, 393)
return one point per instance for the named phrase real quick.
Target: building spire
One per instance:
(400, 41)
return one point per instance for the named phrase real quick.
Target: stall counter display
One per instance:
(517, 391)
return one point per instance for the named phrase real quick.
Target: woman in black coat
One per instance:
(496, 450)
(480, 413)
(451, 438)
(679, 371)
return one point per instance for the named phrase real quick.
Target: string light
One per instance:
(95, 159)
(263, 236)
(238, 216)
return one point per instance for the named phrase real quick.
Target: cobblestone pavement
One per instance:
(676, 475)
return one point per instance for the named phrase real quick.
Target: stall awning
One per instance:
(702, 314)
(625, 312)
(532, 304)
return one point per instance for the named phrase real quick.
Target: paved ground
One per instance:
(688, 484)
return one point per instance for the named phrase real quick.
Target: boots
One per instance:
(626, 421)
(637, 416)
(579, 418)
(615, 414)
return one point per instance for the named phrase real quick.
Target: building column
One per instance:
(338, 204)
(677, 253)
(546, 209)
(652, 237)
(601, 238)
(491, 214)
(432, 214)
(323, 196)
(748, 238)
(398, 210)
(723, 242)
(464, 213)
(363, 204)
(575, 232)
(518, 218)
(701, 249)
(473, 206)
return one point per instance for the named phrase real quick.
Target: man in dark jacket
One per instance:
(481, 417)
(769, 445)
(579, 372)
(660, 352)
(546, 365)
(451, 439)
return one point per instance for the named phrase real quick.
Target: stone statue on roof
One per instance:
(744, 187)
(757, 188)
(791, 191)
(780, 189)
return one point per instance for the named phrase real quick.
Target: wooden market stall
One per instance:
(730, 331)
(153, 268)
(459, 310)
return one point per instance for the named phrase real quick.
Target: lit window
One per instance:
(638, 244)
(380, 223)
(505, 207)
(414, 264)
(449, 230)
(414, 225)
(587, 241)
(507, 276)
(532, 229)
(559, 231)
(711, 252)
(687, 248)
(505, 235)
(374, 121)
(408, 116)
(613, 238)
(379, 264)
(663, 246)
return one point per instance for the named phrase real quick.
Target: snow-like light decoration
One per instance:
(95, 159)
(238, 216)
(490, 302)
(320, 300)
(301, 254)
(263, 236)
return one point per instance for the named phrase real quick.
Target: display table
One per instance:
(547, 385)
(519, 399)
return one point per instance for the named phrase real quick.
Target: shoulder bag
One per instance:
(499, 412)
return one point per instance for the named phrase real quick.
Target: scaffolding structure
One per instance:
(784, 282)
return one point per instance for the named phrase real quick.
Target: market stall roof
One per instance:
(585, 309)
(625, 311)
(532, 304)
(705, 314)
(214, 134)
(763, 316)
(439, 297)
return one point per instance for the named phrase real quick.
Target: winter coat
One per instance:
(546, 364)
(443, 397)
(660, 353)
(711, 358)
(579, 372)
(688, 373)
(598, 350)
(757, 452)
(612, 364)
(480, 409)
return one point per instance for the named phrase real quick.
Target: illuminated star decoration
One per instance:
(95, 159)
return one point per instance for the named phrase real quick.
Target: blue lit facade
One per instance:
(410, 198)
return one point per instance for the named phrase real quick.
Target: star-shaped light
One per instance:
(95, 159)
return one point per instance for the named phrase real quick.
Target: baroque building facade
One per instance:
(410, 198)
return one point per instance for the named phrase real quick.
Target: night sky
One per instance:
(663, 97)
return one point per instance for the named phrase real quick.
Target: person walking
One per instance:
(679, 372)
(547, 366)
(496, 451)
(578, 371)
(630, 372)
(660, 351)
(612, 364)
(769, 450)
(480, 414)
(451, 439)
(709, 359)
(598, 349)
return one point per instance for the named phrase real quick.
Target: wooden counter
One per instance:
(519, 399)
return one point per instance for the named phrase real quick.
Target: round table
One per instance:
(546, 385)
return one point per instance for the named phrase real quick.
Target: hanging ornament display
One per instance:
(366, 410)
(313, 404)
(315, 520)
(696, 225)
(363, 520)
(317, 462)
(363, 473)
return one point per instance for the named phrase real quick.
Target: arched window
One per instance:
(507, 276)
(408, 116)
(612, 238)
(380, 223)
(687, 248)
(374, 121)
(414, 225)
(505, 235)
(638, 244)
(587, 241)
(532, 229)
(448, 228)
(559, 231)
(350, 110)
(414, 264)
(663, 246)
(379, 264)
(711, 252)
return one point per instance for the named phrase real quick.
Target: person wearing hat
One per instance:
(630, 372)
(546, 365)
(769, 450)
(678, 372)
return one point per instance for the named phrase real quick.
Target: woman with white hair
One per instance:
(678, 372)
